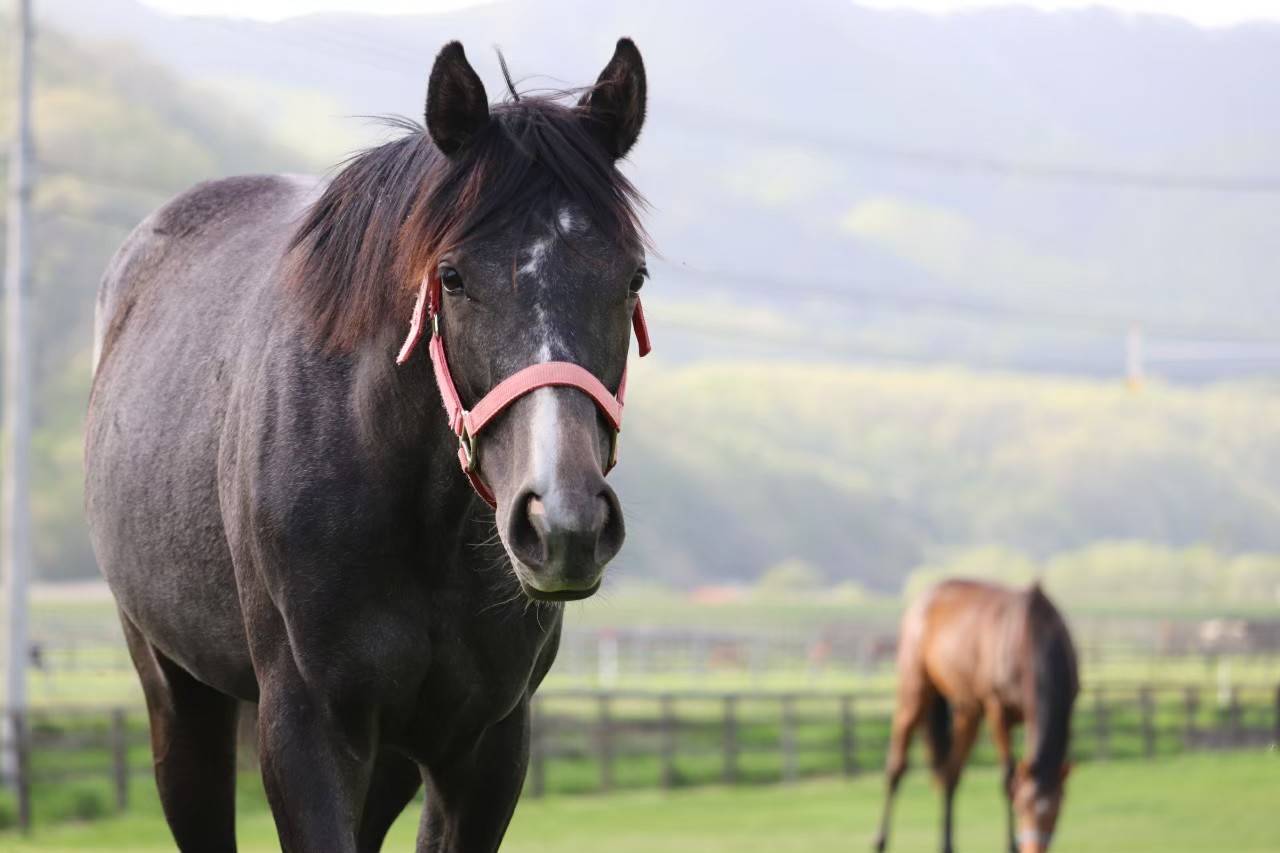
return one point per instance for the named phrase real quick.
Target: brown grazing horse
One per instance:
(969, 649)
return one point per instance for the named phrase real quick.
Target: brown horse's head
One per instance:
(1036, 804)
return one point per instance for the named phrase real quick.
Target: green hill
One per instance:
(867, 472)
(116, 135)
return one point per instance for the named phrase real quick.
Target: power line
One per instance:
(1173, 344)
(860, 293)
(960, 162)
(934, 159)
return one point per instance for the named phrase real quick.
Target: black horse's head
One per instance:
(555, 279)
(519, 212)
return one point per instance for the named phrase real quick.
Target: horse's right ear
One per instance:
(457, 106)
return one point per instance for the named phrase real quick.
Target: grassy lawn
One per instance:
(1192, 803)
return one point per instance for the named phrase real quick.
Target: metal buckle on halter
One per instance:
(467, 444)
(435, 325)
(613, 448)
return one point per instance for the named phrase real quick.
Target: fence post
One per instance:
(848, 736)
(788, 739)
(537, 749)
(604, 732)
(1103, 735)
(1147, 705)
(1235, 717)
(730, 739)
(120, 757)
(1191, 702)
(22, 767)
(668, 744)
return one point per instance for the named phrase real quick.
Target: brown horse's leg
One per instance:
(193, 742)
(915, 696)
(396, 778)
(964, 730)
(999, 722)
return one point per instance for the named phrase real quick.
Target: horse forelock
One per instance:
(392, 211)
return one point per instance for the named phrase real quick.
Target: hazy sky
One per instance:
(1210, 13)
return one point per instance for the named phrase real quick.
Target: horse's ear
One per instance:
(457, 106)
(1066, 770)
(615, 105)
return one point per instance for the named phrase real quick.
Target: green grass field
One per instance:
(1222, 802)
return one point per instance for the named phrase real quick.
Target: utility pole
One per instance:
(15, 523)
(1134, 358)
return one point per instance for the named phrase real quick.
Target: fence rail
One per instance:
(603, 740)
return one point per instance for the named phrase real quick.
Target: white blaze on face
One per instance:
(545, 424)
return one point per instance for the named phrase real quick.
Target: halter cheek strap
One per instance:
(468, 424)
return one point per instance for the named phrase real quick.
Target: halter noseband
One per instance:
(1035, 836)
(467, 424)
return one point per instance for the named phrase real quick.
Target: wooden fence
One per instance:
(599, 741)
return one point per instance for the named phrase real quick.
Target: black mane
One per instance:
(1056, 686)
(393, 210)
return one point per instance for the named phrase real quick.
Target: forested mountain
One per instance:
(1003, 187)
(760, 432)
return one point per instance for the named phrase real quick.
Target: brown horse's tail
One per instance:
(938, 730)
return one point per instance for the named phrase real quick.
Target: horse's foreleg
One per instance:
(396, 778)
(317, 761)
(999, 723)
(964, 730)
(911, 706)
(471, 798)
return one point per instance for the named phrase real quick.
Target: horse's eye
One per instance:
(637, 280)
(450, 280)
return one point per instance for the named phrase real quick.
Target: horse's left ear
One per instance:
(615, 105)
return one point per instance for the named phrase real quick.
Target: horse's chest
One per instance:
(475, 680)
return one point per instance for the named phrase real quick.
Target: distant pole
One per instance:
(15, 525)
(1133, 357)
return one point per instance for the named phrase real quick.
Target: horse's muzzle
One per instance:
(563, 541)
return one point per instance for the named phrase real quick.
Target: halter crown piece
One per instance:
(467, 424)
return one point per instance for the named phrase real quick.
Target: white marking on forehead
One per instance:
(537, 254)
(567, 223)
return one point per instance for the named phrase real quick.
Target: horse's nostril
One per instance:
(525, 534)
(565, 538)
(612, 530)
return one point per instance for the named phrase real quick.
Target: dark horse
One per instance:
(278, 505)
(969, 649)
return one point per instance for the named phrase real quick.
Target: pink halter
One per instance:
(467, 424)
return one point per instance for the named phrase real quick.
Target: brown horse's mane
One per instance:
(1055, 687)
(391, 211)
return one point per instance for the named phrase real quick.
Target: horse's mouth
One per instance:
(559, 594)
